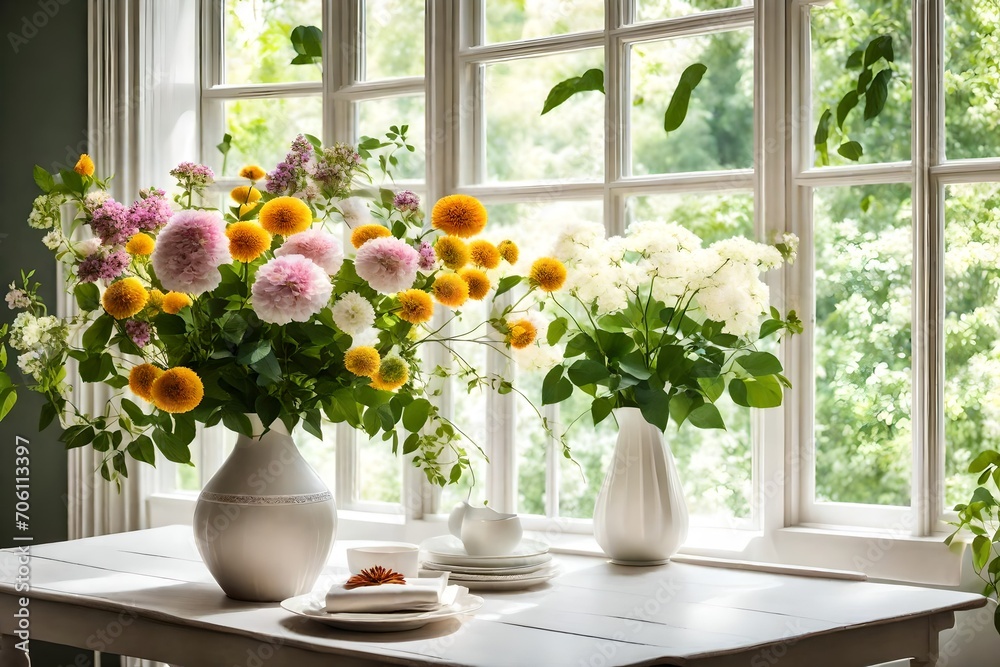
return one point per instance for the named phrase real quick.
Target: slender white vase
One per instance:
(640, 517)
(265, 523)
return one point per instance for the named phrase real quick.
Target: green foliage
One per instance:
(980, 516)
(592, 79)
(308, 44)
(678, 107)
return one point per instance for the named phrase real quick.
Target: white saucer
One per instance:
(448, 550)
(434, 568)
(508, 583)
(313, 606)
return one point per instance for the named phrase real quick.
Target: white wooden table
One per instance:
(148, 595)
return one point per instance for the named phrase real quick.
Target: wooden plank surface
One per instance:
(678, 613)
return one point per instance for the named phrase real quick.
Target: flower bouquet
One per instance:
(213, 316)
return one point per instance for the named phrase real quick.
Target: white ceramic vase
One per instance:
(640, 517)
(265, 523)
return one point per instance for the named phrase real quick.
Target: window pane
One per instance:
(972, 322)
(717, 132)
(566, 143)
(263, 129)
(379, 470)
(534, 227)
(510, 20)
(972, 78)
(376, 116)
(258, 46)
(840, 29)
(394, 38)
(320, 454)
(716, 466)
(469, 408)
(189, 478)
(863, 307)
(653, 10)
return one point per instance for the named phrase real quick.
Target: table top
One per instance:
(637, 615)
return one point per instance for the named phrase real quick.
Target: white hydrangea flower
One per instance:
(576, 239)
(536, 357)
(367, 337)
(95, 199)
(743, 250)
(54, 240)
(353, 314)
(45, 212)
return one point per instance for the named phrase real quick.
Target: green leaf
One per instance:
(226, 144)
(308, 44)
(141, 449)
(761, 392)
(851, 150)
(981, 548)
(680, 407)
(654, 404)
(678, 107)
(43, 179)
(411, 443)
(822, 128)
(760, 363)
(313, 423)
(556, 330)
(713, 387)
(863, 80)
(847, 102)
(234, 326)
(72, 180)
(96, 367)
(635, 365)
(415, 415)
(8, 397)
(506, 284)
(171, 448)
(880, 47)
(705, 368)
(46, 416)
(236, 421)
(96, 337)
(268, 369)
(877, 94)
(855, 60)
(580, 344)
(252, 351)
(600, 408)
(586, 371)
(556, 388)
(984, 459)
(88, 296)
(592, 79)
(707, 416)
(134, 412)
(170, 325)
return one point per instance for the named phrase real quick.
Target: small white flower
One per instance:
(88, 247)
(54, 240)
(355, 211)
(367, 337)
(353, 314)
(17, 298)
(95, 199)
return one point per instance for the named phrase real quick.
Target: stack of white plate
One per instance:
(528, 565)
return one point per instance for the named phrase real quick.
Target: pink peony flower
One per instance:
(320, 246)
(388, 264)
(292, 288)
(190, 250)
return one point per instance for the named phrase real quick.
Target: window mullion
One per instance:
(616, 132)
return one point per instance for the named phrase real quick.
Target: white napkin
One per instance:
(417, 594)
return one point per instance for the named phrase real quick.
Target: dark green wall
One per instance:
(43, 120)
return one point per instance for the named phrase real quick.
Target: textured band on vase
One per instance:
(244, 499)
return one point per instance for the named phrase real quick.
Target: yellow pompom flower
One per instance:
(548, 274)
(415, 306)
(521, 334)
(84, 166)
(253, 172)
(460, 215)
(363, 361)
(177, 390)
(452, 251)
(140, 244)
(125, 298)
(175, 302)
(245, 194)
(478, 282)
(484, 254)
(392, 374)
(509, 251)
(285, 216)
(450, 290)
(155, 302)
(365, 233)
(141, 378)
(247, 240)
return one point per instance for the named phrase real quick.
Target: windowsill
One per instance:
(877, 554)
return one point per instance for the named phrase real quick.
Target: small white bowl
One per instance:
(491, 537)
(400, 558)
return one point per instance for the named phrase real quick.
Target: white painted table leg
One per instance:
(10, 655)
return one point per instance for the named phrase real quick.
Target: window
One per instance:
(865, 127)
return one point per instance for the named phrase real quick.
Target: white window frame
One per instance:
(787, 526)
